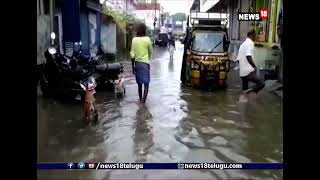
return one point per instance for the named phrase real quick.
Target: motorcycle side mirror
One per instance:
(83, 87)
(53, 36)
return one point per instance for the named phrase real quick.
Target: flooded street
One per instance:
(177, 124)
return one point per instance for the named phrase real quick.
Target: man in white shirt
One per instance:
(248, 70)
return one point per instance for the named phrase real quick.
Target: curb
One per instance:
(279, 93)
(275, 87)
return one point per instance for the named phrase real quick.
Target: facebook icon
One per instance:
(70, 165)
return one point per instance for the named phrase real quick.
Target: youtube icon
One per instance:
(91, 165)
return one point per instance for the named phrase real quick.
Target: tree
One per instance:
(163, 17)
(179, 17)
(166, 14)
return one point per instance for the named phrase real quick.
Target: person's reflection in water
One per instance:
(247, 114)
(143, 136)
(171, 66)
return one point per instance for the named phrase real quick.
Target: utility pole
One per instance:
(51, 16)
(155, 20)
(155, 14)
(126, 4)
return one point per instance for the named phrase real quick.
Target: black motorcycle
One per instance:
(105, 74)
(62, 76)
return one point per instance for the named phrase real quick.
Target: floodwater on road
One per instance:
(177, 124)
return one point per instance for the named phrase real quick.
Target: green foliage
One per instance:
(120, 18)
(179, 17)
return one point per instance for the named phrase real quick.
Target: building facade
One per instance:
(90, 20)
(72, 21)
(147, 12)
(79, 20)
(195, 7)
(266, 29)
(43, 29)
(205, 5)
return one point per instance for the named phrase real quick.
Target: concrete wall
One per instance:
(43, 36)
(243, 25)
(59, 15)
(85, 34)
(108, 37)
(238, 30)
(98, 32)
(233, 20)
(148, 16)
(93, 28)
(280, 8)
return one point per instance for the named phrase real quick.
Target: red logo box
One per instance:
(264, 13)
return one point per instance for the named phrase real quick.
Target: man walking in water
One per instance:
(141, 52)
(248, 70)
(171, 46)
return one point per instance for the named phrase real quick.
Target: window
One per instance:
(46, 4)
(43, 7)
(208, 42)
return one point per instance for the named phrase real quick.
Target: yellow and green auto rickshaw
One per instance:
(206, 61)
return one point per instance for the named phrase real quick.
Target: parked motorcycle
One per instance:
(104, 73)
(62, 76)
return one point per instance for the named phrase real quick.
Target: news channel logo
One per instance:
(70, 165)
(81, 165)
(263, 14)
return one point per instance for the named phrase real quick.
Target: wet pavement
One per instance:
(177, 124)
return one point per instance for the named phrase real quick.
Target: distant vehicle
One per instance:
(162, 39)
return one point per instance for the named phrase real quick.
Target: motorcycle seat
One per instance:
(101, 67)
(85, 57)
(115, 66)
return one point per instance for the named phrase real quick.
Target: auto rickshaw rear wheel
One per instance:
(222, 83)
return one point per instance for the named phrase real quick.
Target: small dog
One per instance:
(119, 87)
(90, 111)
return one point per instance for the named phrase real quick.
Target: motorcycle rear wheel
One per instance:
(44, 88)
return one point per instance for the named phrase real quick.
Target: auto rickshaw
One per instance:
(206, 60)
